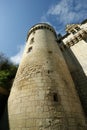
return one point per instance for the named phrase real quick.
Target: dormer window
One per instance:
(73, 31)
(77, 28)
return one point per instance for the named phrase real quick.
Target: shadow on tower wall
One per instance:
(4, 123)
(78, 76)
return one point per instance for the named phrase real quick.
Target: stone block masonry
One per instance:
(43, 96)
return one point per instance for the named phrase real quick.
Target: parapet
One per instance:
(41, 26)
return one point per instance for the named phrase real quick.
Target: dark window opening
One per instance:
(32, 40)
(73, 32)
(77, 28)
(29, 50)
(76, 38)
(59, 41)
(61, 48)
(42, 27)
(49, 71)
(68, 44)
(80, 35)
(65, 46)
(55, 97)
(49, 51)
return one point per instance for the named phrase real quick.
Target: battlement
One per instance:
(50, 88)
(41, 26)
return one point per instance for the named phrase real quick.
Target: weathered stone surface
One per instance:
(76, 59)
(43, 96)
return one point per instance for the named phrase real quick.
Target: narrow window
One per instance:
(61, 48)
(49, 51)
(49, 71)
(55, 97)
(32, 40)
(76, 38)
(29, 50)
(65, 46)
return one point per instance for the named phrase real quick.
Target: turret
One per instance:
(43, 96)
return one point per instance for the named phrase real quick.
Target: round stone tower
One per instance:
(43, 96)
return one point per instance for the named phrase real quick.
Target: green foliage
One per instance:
(7, 72)
(4, 78)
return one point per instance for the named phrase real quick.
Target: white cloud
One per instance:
(17, 58)
(67, 11)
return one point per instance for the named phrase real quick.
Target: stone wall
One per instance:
(75, 57)
(43, 96)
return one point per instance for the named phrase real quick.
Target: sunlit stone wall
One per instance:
(43, 96)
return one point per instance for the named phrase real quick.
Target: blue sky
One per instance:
(17, 16)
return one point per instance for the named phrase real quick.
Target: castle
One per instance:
(50, 88)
